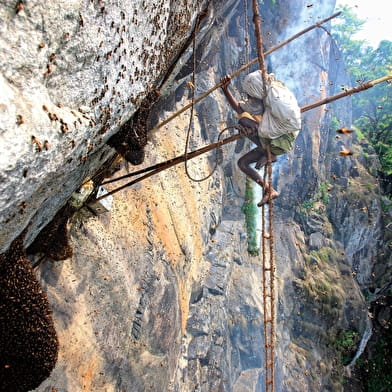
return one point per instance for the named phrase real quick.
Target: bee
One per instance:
(41, 45)
(46, 145)
(345, 152)
(37, 143)
(19, 120)
(52, 57)
(345, 130)
(66, 35)
(19, 6)
(49, 69)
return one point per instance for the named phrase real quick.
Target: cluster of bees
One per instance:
(29, 344)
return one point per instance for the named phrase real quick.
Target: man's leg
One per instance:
(257, 155)
(245, 161)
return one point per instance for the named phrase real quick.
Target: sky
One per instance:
(378, 24)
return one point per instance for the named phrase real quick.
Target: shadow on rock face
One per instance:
(28, 340)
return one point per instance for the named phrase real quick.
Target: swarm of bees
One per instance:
(29, 344)
(345, 131)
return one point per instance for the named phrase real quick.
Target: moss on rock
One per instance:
(251, 212)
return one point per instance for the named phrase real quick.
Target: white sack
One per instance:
(282, 114)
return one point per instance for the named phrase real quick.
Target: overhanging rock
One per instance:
(71, 74)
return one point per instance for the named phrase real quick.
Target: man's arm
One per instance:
(229, 96)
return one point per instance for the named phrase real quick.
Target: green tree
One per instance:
(344, 29)
(372, 109)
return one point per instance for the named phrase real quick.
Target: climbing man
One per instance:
(273, 120)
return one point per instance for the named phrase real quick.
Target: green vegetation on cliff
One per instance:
(251, 212)
(372, 109)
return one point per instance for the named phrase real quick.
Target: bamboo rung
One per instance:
(268, 320)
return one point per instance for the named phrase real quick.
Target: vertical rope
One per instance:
(259, 43)
(246, 34)
(193, 87)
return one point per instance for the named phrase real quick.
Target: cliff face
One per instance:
(160, 293)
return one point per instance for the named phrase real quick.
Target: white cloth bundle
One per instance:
(282, 114)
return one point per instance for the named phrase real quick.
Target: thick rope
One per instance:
(193, 88)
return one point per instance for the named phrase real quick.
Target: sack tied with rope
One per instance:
(281, 116)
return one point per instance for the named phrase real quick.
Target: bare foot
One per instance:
(265, 199)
